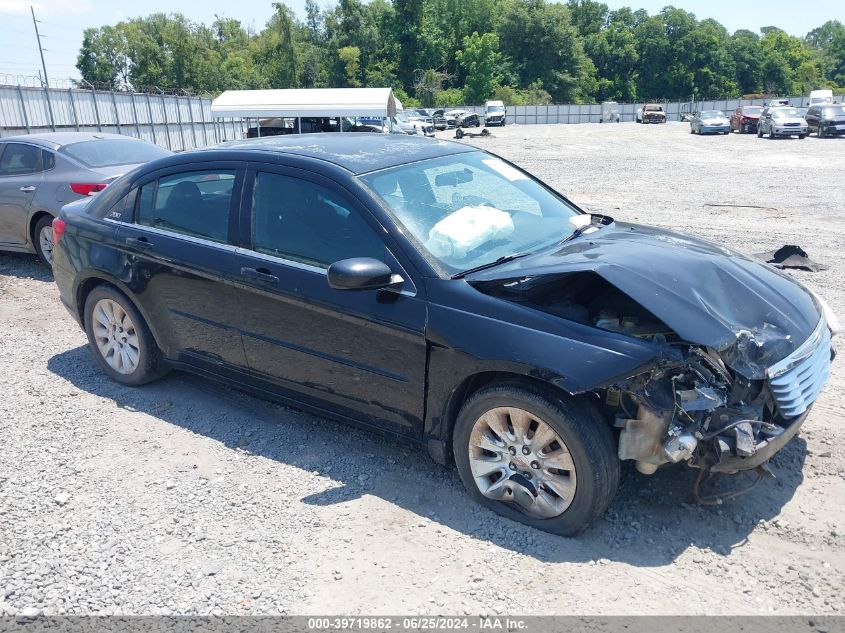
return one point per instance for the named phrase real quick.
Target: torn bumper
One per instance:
(762, 454)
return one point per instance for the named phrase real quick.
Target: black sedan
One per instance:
(826, 119)
(438, 293)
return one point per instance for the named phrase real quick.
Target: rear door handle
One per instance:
(139, 242)
(260, 274)
(28, 189)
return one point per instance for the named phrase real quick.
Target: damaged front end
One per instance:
(703, 412)
(720, 409)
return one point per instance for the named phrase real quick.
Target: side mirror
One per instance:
(362, 273)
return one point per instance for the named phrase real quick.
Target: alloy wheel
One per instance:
(116, 336)
(517, 458)
(45, 242)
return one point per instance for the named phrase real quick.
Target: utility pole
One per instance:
(46, 82)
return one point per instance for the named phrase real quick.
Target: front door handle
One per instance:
(260, 274)
(139, 242)
(28, 189)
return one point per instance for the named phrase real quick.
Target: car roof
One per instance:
(55, 140)
(356, 152)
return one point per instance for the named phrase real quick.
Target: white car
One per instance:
(413, 124)
(782, 122)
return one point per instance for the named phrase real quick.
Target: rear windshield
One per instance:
(108, 152)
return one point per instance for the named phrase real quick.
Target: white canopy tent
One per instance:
(311, 102)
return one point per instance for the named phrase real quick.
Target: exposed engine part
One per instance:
(695, 411)
(641, 438)
(680, 447)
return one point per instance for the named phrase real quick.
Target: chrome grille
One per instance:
(797, 380)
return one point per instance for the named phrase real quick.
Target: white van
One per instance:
(494, 113)
(820, 96)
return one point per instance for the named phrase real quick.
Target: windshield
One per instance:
(712, 114)
(654, 108)
(470, 209)
(108, 152)
(786, 113)
(834, 112)
(495, 108)
(752, 110)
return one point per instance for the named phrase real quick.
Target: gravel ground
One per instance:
(185, 497)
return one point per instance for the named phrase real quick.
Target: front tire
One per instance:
(43, 240)
(119, 338)
(536, 457)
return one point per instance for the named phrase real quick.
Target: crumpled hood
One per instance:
(751, 313)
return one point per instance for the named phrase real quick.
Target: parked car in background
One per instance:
(819, 97)
(413, 124)
(745, 119)
(440, 294)
(709, 122)
(782, 121)
(651, 113)
(468, 119)
(39, 173)
(610, 112)
(452, 117)
(494, 113)
(439, 116)
(826, 120)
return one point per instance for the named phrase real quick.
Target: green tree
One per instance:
(829, 41)
(747, 55)
(479, 59)
(542, 45)
(104, 56)
(350, 57)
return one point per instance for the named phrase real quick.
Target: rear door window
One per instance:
(196, 203)
(20, 159)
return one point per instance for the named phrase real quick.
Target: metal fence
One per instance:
(591, 113)
(180, 122)
(173, 121)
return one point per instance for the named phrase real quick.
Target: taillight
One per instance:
(59, 227)
(87, 188)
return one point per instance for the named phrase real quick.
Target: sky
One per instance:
(63, 21)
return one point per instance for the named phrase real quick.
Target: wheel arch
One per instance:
(86, 285)
(34, 219)
(440, 444)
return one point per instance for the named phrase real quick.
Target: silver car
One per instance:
(782, 122)
(709, 122)
(40, 173)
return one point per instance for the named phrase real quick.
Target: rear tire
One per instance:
(119, 338)
(586, 443)
(42, 239)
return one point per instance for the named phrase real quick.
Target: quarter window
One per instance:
(306, 222)
(123, 208)
(196, 203)
(20, 159)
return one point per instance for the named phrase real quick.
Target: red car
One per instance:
(744, 119)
